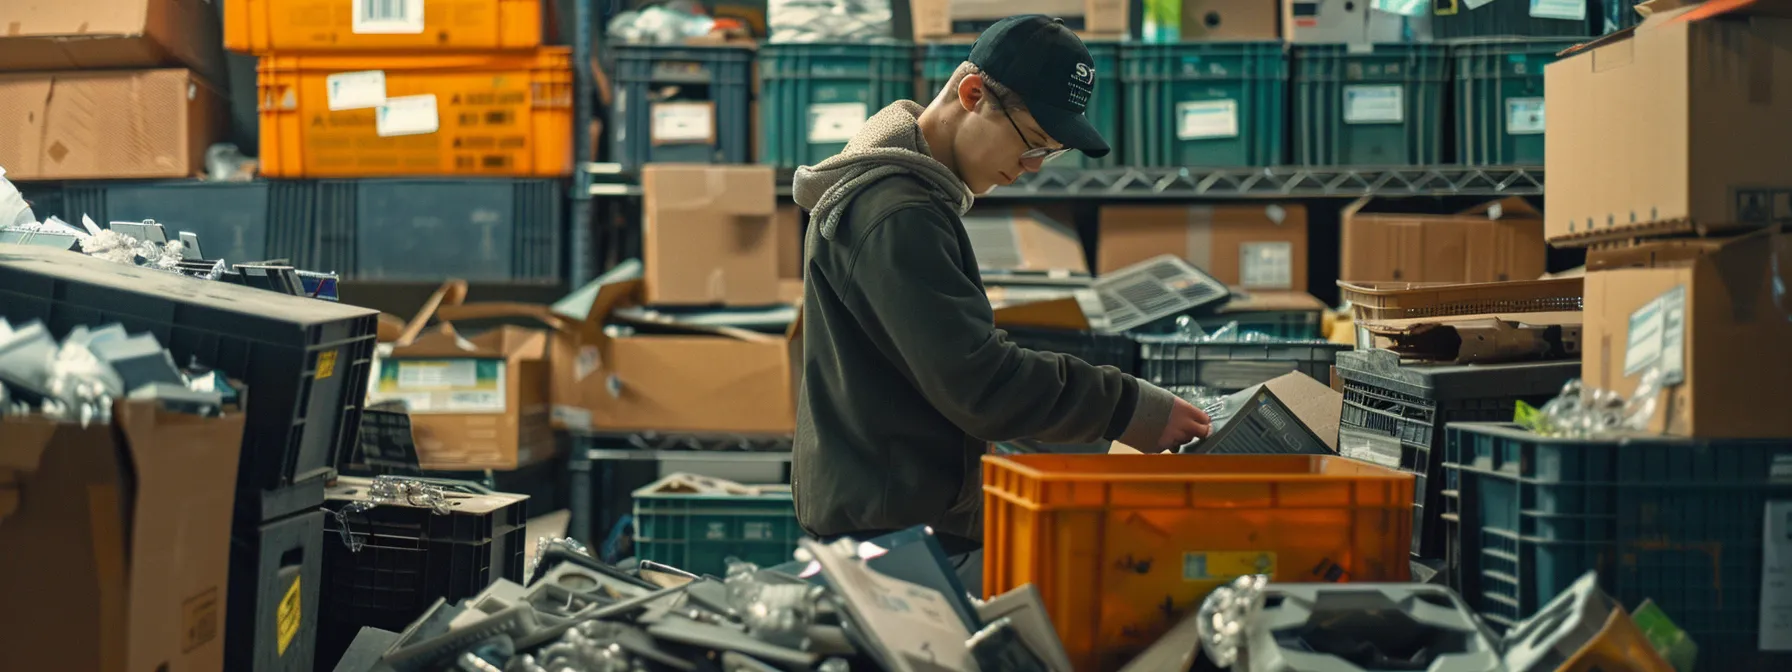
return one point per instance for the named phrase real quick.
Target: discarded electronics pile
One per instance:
(78, 378)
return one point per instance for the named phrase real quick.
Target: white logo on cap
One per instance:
(1085, 73)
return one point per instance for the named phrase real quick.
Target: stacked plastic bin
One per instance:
(468, 107)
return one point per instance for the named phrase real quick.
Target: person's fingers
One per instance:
(1203, 430)
(1201, 416)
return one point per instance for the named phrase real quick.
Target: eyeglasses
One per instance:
(1034, 156)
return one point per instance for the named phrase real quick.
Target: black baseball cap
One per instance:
(1046, 64)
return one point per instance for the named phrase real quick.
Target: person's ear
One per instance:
(970, 90)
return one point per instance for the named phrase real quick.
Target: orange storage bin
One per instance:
(493, 114)
(263, 26)
(1122, 546)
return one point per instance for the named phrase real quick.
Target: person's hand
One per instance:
(1187, 423)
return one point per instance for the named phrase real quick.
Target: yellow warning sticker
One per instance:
(1227, 565)
(326, 364)
(286, 619)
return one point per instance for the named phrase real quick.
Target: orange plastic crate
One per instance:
(503, 114)
(261, 26)
(1122, 546)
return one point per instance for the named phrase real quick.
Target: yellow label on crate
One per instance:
(326, 364)
(1226, 565)
(287, 618)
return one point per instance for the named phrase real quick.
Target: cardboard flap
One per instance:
(22, 444)
(1060, 313)
(735, 333)
(452, 292)
(1355, 207)
(1510, 207)
(504, 309)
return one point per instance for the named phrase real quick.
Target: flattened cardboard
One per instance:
(1496, 241)
(1026, 240)
(1211, 237)
(708, 236)
(108, 34)
(934, 19)
(121, 533)
(1681, 107)
(107, 124)
(1735, 335)
(705, 380)
(519, 436)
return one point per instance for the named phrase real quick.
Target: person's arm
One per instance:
(907, 283)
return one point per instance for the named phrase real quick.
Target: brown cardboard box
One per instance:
(708, 236)
(1251, 246)
(1711, 301)
(1027, 240)
(936, 19)
(107, 124)
(699, 380)
(1492, 242)
(789, 228)
(103, 34)
(475, 403)
(1667, 128)
(120, 533)
(1234, 19)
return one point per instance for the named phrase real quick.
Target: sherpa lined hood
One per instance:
(890, 144)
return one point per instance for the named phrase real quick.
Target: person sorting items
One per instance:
(905, 377)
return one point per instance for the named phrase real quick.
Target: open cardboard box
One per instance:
(117, 535)
(475, 403)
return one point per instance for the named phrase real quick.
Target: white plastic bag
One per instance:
(13, 209)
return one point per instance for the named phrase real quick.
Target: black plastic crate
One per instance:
(1230, 366)
(1394, 415)
(1517, 18)
(715, 86)
(410, 556)
(1117, 350)
(484, 230)
(276, 573)
(303, 361)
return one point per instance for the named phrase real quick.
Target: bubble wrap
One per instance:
(809, 21)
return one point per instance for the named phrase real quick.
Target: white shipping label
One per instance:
(1202, 119)
(356, 90)
(836, 122)
(1266, 265)
(407, 115)
(1524, 116)
(1374, 104)
(387, 17)
(1775, 632)
(1404, 7)
(1648, 341)
(1567, 10)
(1673, 336)
(682, 123)
(443, 385)
(436, 374)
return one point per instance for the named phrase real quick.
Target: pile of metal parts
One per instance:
(77, 379)
(843, 606)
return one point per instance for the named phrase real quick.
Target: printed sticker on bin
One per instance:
(407, 115)
(1375, 104)
(1566, 10)
(682, 123)
(1524, 116)
(1266, 265)
(1204, 119)
(387, 17)
(836, 122)
(355, 90)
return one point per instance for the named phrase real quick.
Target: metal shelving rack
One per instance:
(1287, 182)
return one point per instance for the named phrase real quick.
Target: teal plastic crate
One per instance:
(939, 60)
(1499, 99)
(698, 533)
(1205, 104)
(1369, 106)
(1679, 521)
(813, 97)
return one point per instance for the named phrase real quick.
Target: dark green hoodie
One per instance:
(905, 377)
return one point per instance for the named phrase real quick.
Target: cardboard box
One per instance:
(108, 34)
(1234, 19)
(107, 124)
(789, 228)
(1026, 240)
(1351, 22)
(475, 403)
(708, 236)
(1092, 19)
(668, 378)
(1713, 303)
(1664, 129)
(1493, 242)
(1250, 246)
(121, 533)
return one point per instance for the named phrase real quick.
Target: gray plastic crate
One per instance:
(1225, 366)
(427, 230)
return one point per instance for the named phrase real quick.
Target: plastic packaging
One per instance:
(811, 21)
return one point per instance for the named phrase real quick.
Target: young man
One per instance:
(905, 376)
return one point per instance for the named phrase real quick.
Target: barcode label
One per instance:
(388, 17)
